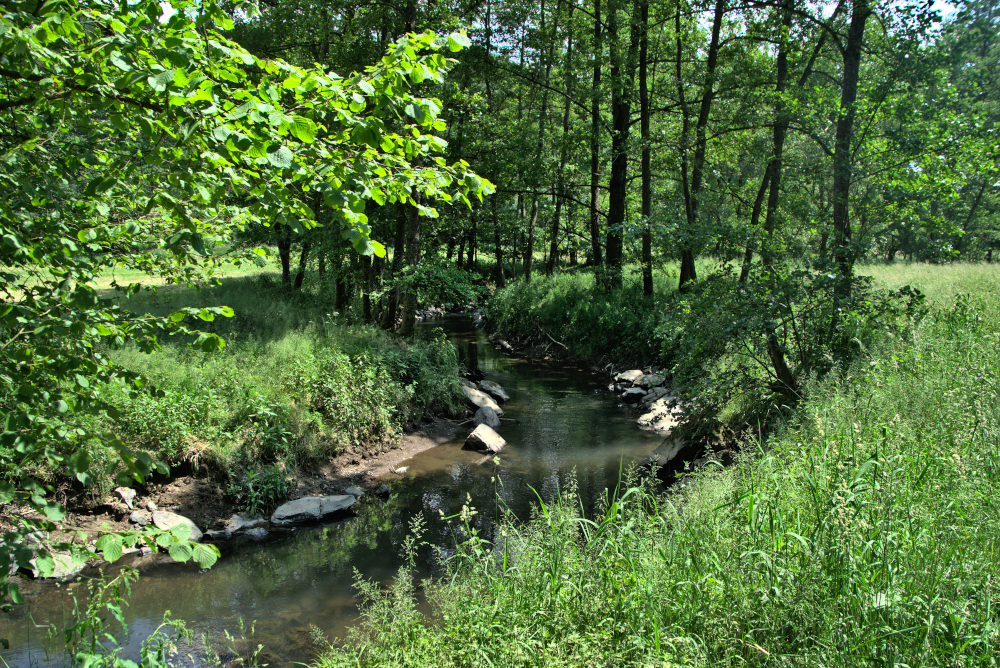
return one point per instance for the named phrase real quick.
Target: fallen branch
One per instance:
(565, 347)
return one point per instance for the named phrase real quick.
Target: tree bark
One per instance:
(647, 174)
(303, 258)
(392, 299)
(473, 231)
(497, 247)
(688, 272)
(843, 251)
(412, 259)
(595, 147)
(285, 254)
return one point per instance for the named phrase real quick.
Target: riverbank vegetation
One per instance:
(863, 531)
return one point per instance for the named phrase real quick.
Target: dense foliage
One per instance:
(139, 140)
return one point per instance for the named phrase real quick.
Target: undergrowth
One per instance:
(296, 384)
(865, 533)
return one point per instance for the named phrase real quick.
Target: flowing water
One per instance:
(559, 422)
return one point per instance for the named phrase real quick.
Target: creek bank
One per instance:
(687, 444)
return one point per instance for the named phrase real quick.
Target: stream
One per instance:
(559, 422)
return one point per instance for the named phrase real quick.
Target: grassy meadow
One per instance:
(864, 532)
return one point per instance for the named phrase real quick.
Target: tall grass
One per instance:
(296, 383)
(865, 533)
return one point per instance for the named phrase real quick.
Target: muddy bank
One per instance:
(203, 500)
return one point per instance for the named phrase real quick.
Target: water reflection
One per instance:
(557, 424)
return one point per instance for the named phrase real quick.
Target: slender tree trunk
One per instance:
(554, 241)
(842, 164)
(688, 272)
(529, 245)
(285, 254)
(392, 299)
(412, 259)
(595, 148)
(647, 174)
(473, 232)
(303, 258)
(366, 288)
(497, 246)
(687, 255)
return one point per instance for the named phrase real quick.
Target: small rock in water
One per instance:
(311, 509)
(478, 398)
(257, 534)
(127, 494)
(633, 395)
(401, 470)
(494, 390)
(505, 347)
(139, 517)
(354, 491)
(383, 490)
(63, 566)
(484, 439)
(487, 416)
(240, 524)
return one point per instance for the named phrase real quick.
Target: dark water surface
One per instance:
(560, 420)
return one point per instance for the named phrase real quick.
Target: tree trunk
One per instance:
(285, 254)
(303, 258)
(412, 259)
(392, 299)
(497, 247)
(647, 175)
(529, 245)
(842, 164)
(622, 73)
(595, 147)
(688, 272)
(366, 288)
(473, 231)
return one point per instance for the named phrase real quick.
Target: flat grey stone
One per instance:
(494, 390)
(310, 509)
(478, 398)
(166, 520)
(240, 524)
(484, 439)
(354, 491)
(667, 451)
(139, 517)
(487, 416)
(465, 382)
(629, 376)
(650, 380)
(383, 490)
(633, 395)
(259, 533)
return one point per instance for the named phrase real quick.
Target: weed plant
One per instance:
(866, 533)
(296, 384)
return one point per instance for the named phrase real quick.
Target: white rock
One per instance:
(494, 390)
(127, 495)
(629, 376)
(478, 398)
(310, 509)
(484, 439)
(165, 520)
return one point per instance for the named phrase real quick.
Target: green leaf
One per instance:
(161, 81)
(181, 551)
(205, 555)
(458, 41)
(111, 547)
(280, 156)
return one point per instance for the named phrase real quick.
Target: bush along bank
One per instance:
(865, 532)
(714, 343)
(295, 386)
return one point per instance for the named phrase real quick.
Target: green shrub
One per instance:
(259, 489)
